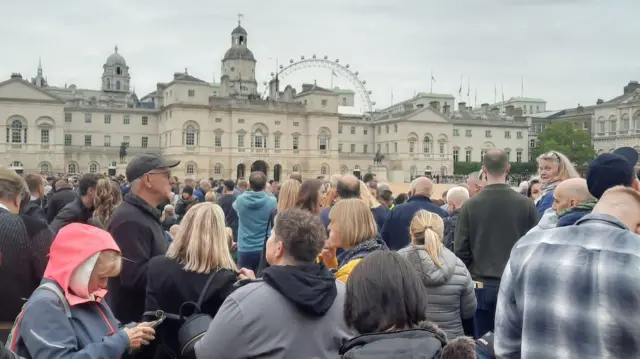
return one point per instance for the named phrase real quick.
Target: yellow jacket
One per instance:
(343, 272)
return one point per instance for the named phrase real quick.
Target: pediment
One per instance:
(633, 98)
(427, 115)
(22, 90)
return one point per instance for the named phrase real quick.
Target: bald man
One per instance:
(395, 230)
(572, 200)
(348, 187)
(296, 176)
(582, 279)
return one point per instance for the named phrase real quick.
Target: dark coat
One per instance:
(74, 212)
(395, 231)
(34, 210)
(58, 201)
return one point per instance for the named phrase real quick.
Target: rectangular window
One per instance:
(441, 147)
(145, 120)
(295, 142)
(366, 131)
(218, 120)
(192, 93)
(296, 124)
(519, 134)
(518, 156)
(67, 117)
(507, 134)
(126, 140)
(240, 141)
(353, 130)
(145, 142)
(324, 102)
(340, 147)
(218, 141)
(467, 133)
(411, 146)
(87, 140)
(386, 148)
(455, 155)
(467, 155)
(67, 140)
(277, 123)
(107, 119)
(44, 136)
(365, 148)
(241, 120)
(456, 132)
(532, 143)
(487, 133)
(395, 147)
(126, 119)
(339, 129)
(353, 148)
(276, 141)
(87, 117)
(107, 141)
(379, 129)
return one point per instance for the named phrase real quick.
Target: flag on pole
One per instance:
(460, 89)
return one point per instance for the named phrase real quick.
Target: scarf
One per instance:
(363, 248)
(582, 207)
(546, 188)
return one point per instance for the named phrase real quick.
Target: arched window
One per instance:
(16, 132)
(71, 168)
(190, 136)
(44, 168)
(427, 145)
(258, 139)
(624, 122)
(343, 170)
(93, 168)
(118, 71)
(412, 146)
(395, 127)
(323, 170)
(295, 169)
(217, 169)
(190, 169)
(323, 141)
(117, 85)
(108, 84)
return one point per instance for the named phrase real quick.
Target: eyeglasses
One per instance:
(166, 173)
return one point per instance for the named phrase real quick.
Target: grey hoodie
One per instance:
(450, 290)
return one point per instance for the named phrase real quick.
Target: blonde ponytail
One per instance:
(427, 229)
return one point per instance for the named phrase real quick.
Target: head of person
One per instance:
(108, 197)
(150, 177)
(553, 166)
(523, 187)
(613, 169)
(257, 181)
(370, 179)
(348, 187)
(187, 193)
(169, 210)
(36, 183)
(201, 242)
(570, 193)
(229, 185)
(622, 203)
(373, 188)
(14, 192)
(311, 195)
(535, 189)
(421, 186)
(87, 188)
(367, 197)
(288, 195)
(210, 197)
(427, 229)
(333, 180)
(243, 185)
(495, 165)
(296, 176)
(456, 197)
(475, 183)
(351, 222)
(173, 230)
(401, 198)
(385, 195)
(298, 237)
(384, 293)
(205, 186)
(444, 196)
(81, 261)
(62, 184)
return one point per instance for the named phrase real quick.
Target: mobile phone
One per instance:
(161, 317)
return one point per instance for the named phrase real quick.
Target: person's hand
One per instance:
(170, 196)
(140, 335)
(245, 273)
(328, 254)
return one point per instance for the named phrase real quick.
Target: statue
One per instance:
(123, 151)
(378, 158)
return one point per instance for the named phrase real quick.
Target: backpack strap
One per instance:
(52, 287)
(206, 288)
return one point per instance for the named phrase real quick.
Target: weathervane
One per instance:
(240, 16)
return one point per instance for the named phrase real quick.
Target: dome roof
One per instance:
(239, 31)
(238, 52)
(116, 59)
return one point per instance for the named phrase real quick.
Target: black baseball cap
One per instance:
(611, 169)
(147, 162)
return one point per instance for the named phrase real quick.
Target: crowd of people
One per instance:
(145, 265)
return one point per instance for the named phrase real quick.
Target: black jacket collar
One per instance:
(142, 205)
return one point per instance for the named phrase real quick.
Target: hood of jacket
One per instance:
(425, 341)
(310, 287)
(74, 245)
(431, 274)
(253, 200)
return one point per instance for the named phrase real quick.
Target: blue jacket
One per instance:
(92, 332)
(571, 218)
(545, 203)
(395, 231)
(198, 193)
(253, 210)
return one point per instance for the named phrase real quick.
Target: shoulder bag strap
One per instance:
(272, 216)
(206, 288)
(52, 287)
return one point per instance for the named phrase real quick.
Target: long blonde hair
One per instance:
(108, 197)
(288, 195)
(565, 167)
(367, 197)
(201, 243)
(427, 229)
(354, 220)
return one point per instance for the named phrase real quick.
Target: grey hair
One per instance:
(457, 195)
(135, 185)
(475, 175)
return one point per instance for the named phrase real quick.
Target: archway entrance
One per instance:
(277, 170)
(240, 171)
(260, 166)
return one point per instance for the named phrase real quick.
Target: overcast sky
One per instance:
(565, 51)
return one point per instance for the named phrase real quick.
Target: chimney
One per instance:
(16, 75)
(517, 112)
(495, 111)
(485, 107)
(462, 106)
(306, 87)
(600, 101)
(509, 109)
(470, 108)
(445, 108)
(631, 87)
(435, 105)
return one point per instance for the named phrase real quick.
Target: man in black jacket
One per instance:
(226, 203)
(135, 226)
(488, 226)
(80, 210)
(35, 182)
(63, 195)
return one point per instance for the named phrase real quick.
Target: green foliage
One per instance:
(562, 137)
(464, 168)
(523, 167)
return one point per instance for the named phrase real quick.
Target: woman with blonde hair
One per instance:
(198, 263)
(379, 212)
(287, 199)
(352, 229)
(553, 168)
(108, 197)
(450, 289)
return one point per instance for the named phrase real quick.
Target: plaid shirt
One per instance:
(572, 292)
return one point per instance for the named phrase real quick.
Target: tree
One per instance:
(562, 137)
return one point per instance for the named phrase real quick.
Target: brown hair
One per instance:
(12, 185)
(34, 181)
(308, 195)
(108, 197)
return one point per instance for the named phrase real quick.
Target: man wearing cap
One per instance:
(135, 226)
(613, 169)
